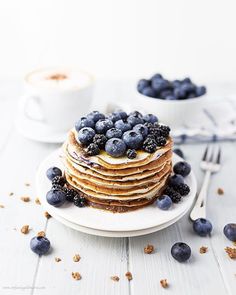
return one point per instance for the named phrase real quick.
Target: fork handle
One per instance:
(199, 209)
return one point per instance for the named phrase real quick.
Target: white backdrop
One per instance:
(120, 38)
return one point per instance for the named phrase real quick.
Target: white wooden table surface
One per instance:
(23, 272)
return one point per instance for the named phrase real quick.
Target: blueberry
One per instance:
(122, 114)
(134, 120)
(175, 180)
(123, 125)
(136, 114)
(53, 172)
(149, 91)
(84, 122)
(115, 147)
(114, 117)
(150, 118)
(86, 135)
(165, 93)
(170, 97)
(164, 202)
(179, 152)
(188, 87)
(103, 125)
(39, 245)
(160, 85)
(176, 83)
(142, 84)
(230, 231)
(186, 80)
(114, 133)
(200, 90)
(181, 251)
(183, 168)
(95, 116)
(133, 139)
(142, 129)
(179, 93)
(156, 77)
(202, 227)
(191, 95)
(56, 197)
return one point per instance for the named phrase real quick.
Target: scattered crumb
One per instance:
(25, 199)
(115, 278)
(47, 215)
(41, 234)
(76, 275)
(220, 191)
(11, 194)
(164, 283)
(27, 184)
(57, 259)
(231, 252)
(76, 258)
(25, 229)
(203, 249)
(37, 201)
(14, 228)
(234, 243)
(129, 275)
(2, 206)
(148, 249)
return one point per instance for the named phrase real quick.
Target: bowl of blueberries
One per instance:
(175, 101)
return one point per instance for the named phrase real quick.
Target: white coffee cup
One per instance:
(55, 98)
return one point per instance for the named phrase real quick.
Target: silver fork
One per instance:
(210, 164)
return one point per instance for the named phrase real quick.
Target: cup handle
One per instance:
(25, 100)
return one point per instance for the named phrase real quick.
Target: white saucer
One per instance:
(146, 218)
(37, 131)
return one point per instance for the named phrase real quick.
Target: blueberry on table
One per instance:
(56, 197)
(202, 227)
(86, 135)
(182, 168)
(164, 202)
(133, 139)
(181, 251)
(135, 120)
(122, 125)
(40, 245)
(115, 147)
(142, 129)
(230, 231)
(150, 118)
(175, 180)
(103, 125)
(142, 84)
(84, 122)
(114, 133)
(149, 91)
(179, 152)
(53, 172)
(95, 116)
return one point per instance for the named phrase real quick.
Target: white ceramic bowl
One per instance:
(171, 112)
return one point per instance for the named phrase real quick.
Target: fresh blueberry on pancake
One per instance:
(134, 120)
(123, 125)
(114, 117)
(133, 139)
(142, 129)
(53, 172)
(84, 122)
(85, 135)
(103, 125)
(183, 168)
(122, 114)
(95, 116)
(175, 180)
(150, 118)
(115, 147)
(164, 202)
(56, 197)
(114, 133)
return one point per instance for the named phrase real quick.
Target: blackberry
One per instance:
(173, 194)
(149, 145)
(163, 130)
(148, 125)
(79, 201)
(183, 189)
(161, 141)
(131, 154)
(56, 187)
(92, 149)
(100, 140)
(70, 194)
(59, 180)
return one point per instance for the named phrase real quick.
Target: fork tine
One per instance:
(218, 156)
(205, 154)
(212, 155)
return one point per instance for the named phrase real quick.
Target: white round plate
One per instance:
(37, 131)
(148, 217)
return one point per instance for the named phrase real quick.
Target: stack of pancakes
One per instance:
(117, 184)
